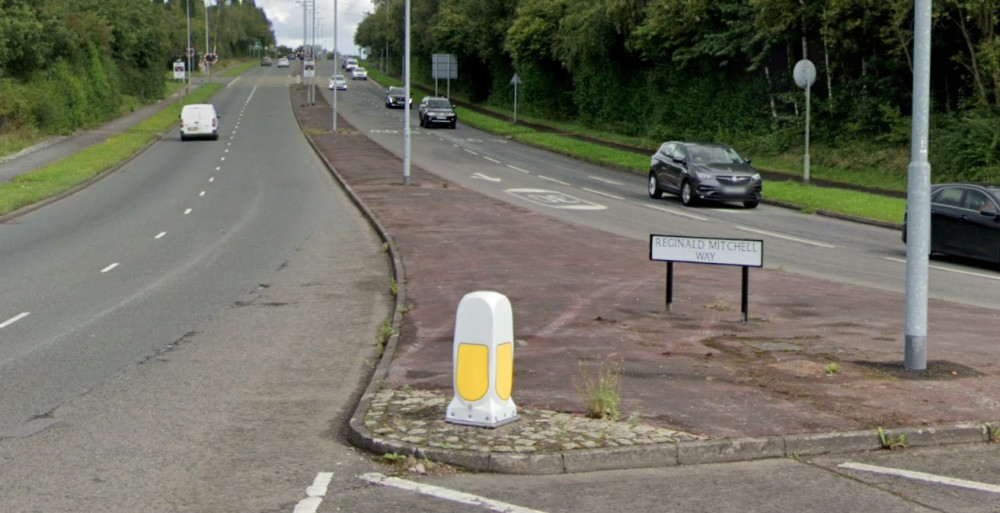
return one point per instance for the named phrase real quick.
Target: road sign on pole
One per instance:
(515, 81)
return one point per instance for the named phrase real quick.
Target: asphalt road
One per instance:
(216, 375)
(616, 201)
(190, 332)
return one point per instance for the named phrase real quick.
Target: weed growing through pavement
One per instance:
(394, 288)
(993, 432)
(832, 368)
(383, 335)
(602, 393)
(888, 442)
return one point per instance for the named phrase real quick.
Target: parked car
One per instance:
(434, 110)
(965, 220)
(265, 61)
(703, 172)
(338, 82)
(395, 97)
(199, 120)
(283, 62)
(359, 74)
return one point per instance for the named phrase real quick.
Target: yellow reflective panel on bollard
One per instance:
(483, 361)
(505, 370)
(472, 372)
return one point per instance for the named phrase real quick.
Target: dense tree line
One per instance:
(718, 69)
(70, 64)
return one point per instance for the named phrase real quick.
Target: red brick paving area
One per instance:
(582, 297)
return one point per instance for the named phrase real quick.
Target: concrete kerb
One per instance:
(616, 458)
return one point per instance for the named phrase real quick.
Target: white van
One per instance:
(350, 63)
(199, 120)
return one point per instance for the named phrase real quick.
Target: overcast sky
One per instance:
(286, 19)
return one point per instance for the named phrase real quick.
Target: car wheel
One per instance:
(687, 195)
(751, 204)
(453, 123)
(422, 124)
(654, 188)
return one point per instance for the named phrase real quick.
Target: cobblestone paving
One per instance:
(418, 417)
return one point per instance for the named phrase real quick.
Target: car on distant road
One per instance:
(199, 120)
(395, 97)
(359, 74)
(265, 61)
(349, 64)
(435, 110)
(338, 82)
(703, 172)
(283, 62)
(965, 220)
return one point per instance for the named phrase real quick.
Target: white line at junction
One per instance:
(560, 182)
(445, 494)
(950, 270)
(314, 494)
(923, 476)
(786, 237)
(602, 193)
(674, 212)
(14, 319)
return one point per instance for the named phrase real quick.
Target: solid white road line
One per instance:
(675, 212)
(923, 476)
(605, 180)
(602, 193)
(445, 494)
(14, 319)
(314, 494)
(560, 182)
(950, 270)
(786, 237)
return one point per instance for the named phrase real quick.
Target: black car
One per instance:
(703, 172)
(437, 111)
(395, 97)
(965, 220)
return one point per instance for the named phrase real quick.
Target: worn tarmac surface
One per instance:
(696, 383)
(583, 299)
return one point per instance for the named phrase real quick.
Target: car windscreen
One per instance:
(438, 104)
(715, 155)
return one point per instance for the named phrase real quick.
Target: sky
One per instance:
(286, 19)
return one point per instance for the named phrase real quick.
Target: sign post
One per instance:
(737, 252)
(805, 76)
(515, 81)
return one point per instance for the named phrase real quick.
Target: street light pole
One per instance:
(333, 111)
(188, 49)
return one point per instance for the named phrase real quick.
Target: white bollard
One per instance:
(483, 361)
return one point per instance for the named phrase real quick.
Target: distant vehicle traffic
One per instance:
(359, 74)
(965, 220)
(199, 120)
(283, 62)
(395, 97)
(338, 82)
(703, 172)
(265, 61)
(349, 64)
(434, 110)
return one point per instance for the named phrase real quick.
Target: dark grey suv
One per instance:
(703, 172)
(437, 111)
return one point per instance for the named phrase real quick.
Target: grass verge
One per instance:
(62, 175)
